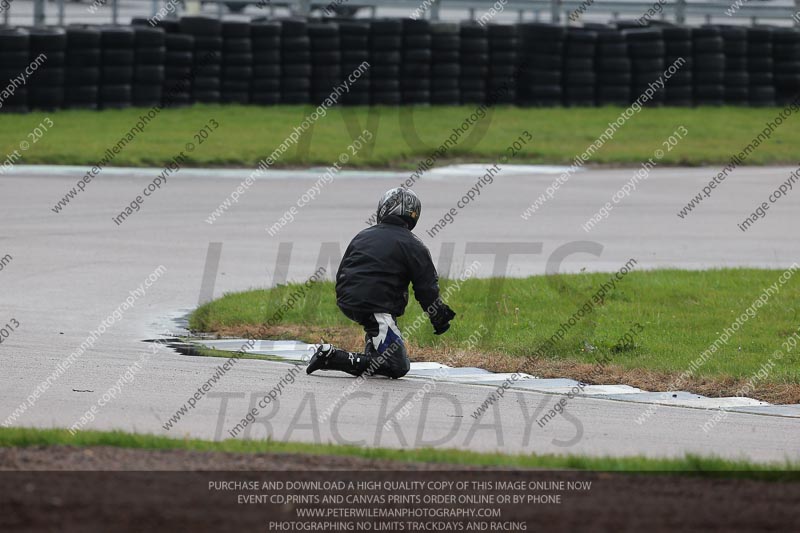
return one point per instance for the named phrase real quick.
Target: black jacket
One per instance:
(379, 264)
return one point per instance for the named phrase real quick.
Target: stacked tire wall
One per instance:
(354, 39)
(412, 62)
(82, 68)
(445, 63)
(46, 89)
(150, 55)
(266, 82)
(237, 62)
(295, 62)
(386, 43)
(678, 45)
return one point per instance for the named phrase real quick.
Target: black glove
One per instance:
(440, 315)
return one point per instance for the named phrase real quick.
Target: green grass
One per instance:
(711, 466)
(682, 313)
(247, 134)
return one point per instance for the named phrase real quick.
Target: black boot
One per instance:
(319, 360)
(353, 363)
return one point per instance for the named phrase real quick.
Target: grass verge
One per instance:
(710, 466)
(402, 135)
(502, 322)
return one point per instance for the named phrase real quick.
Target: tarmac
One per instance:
(70, 272)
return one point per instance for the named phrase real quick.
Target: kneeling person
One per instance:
(372, 289)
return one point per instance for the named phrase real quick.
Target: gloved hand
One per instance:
(440, 317)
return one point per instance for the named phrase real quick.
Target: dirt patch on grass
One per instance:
(103, 489)
(352, 338)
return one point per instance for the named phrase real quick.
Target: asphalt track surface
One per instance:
(71, 270)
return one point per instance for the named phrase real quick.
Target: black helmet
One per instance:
(401, 202)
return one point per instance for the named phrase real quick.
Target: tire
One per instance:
(233, 86)
(584, 78)
(78, 37)
(205, 84)
(146, 93)
(266, 85)
(179, 59)
(77, 76)
(579, 65)
(265, 29)
(116, 37)
(296, 71)
(116, 57)
(613, 94)
(294, 44)
(757, 34)
(385, 71)
(146, 37)
(471, 85)
(736, 79)
(47, 40)
(206, 97)
(50, 98)
(415, 26)
(709, 62)
(417, 56)
(326, 57)
(444, 84)
(266, 71)
(116, 75)
(295, 84)
(81, 93)
(612, 50)
(295, 97)
(474, 46)
(759, 50)
(207, 71)
(474, 71)
(417, 41)
(296, 57)
(445, 42)
(238, 60)
(266, 98)
(16, 60)
(178, 72)
(197, 25)
(148, 74)
(355, 56)
(235, 29)
(387, 42)
(580, 50)
(354, 42)
(267, 57)
(384, 85)
(115, 93)
(647, 65)
(653, 49)
(207, 42)
(416, 97)
(638, 35)
(709, 45)
(356, 98)
(542, 47)
(266, 44)
(150, 56)
(228, 97)
(381, 58)
(709, 77)
(386, 27)
(237, 46)
(179, 42)
(319, 44)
